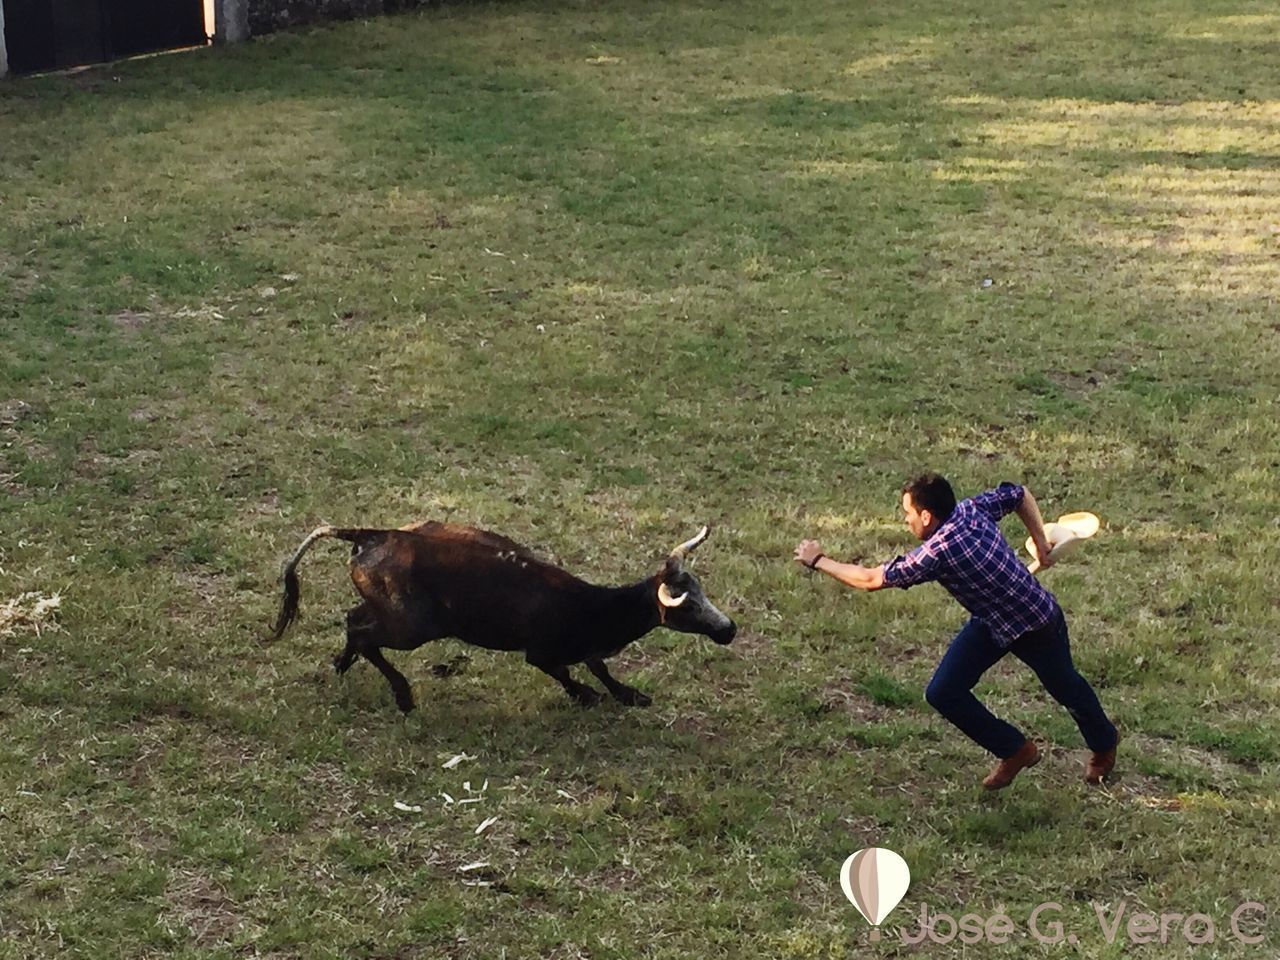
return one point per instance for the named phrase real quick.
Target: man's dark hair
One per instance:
(930, 491)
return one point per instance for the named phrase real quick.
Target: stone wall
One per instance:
(4, 56)
(264, 16)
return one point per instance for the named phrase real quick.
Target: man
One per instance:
(964, 550)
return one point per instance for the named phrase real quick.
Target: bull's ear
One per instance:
(671, 568)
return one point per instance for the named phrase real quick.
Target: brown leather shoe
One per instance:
(999, 778)
(1100, 765)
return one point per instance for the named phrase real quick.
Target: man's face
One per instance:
(920, 522)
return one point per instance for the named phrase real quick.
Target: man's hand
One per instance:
(1029, 514)
(808, 552)
(1043, 549)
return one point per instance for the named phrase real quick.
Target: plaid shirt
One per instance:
(970, 558)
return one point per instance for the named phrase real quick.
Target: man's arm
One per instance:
(1029, 513)
(810, 554)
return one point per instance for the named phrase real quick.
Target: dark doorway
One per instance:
(141, 26)
(51, 34)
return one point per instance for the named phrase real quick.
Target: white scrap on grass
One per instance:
(469, 800)
(448, 800)
(202, 313)
(456, 759)
(473, 866)
(486, 824)
(31, 610)
(567, 796)
(406, 807)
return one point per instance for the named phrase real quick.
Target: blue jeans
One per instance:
(1047, 651)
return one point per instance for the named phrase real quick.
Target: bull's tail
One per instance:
(289, 605)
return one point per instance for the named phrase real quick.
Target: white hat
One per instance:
(1071, 530)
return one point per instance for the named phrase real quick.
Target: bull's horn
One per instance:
(687, 547)
(667, 600)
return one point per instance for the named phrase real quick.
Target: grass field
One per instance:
(593, 274)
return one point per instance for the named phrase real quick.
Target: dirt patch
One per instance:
(982, 454)
(203, 908)
(1222, 769)
(1076, 384)
(336, 800)
(130, 320)
(694, 723)
(208, 588)
(14, 411)
(613, 878)
(13, 414)
(93, 464)
(267, 505)
(22, 281)
(840, 699)
(864, 829)
(152, 746)
(12, 486)
(1148, 790)
(416, 953)
(748, 643)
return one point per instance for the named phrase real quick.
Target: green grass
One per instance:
(593, 274)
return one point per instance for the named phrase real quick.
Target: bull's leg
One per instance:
(360, 623)
(394, 623)
(399, 685)
(365, 637)
(628, 696)
(580, 692)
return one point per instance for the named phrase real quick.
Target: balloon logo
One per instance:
(875, 880)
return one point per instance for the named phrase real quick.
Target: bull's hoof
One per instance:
(587, 697)
(456, 665)
(630, 697)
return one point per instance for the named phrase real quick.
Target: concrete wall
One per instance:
(268, 15)
(230, 21)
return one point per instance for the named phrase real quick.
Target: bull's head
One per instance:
(681, 603)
